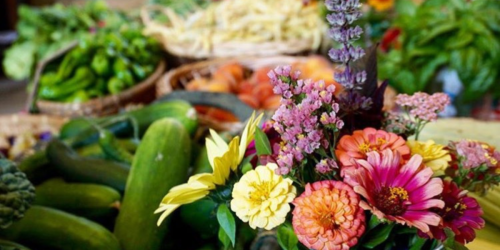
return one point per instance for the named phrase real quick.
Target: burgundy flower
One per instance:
(461, 213)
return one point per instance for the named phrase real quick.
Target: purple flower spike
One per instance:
(345, 12)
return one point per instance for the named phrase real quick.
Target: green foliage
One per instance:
(227, 224)
(262, 143)
(463, 35)
(286, 237)
(42, 31)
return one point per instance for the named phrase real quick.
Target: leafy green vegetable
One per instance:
(42, 31)
(462, 35)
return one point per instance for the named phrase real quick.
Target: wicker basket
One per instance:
(142, 92)
(178, 78)
(209, 48)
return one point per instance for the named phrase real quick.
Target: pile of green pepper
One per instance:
(101, 64)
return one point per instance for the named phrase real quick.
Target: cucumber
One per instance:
(160, 163)
(9, 245)
(92, 151)
(87, 170)
(80, 132)
(113, 149)
(36, 167)
(87, 200)
(48, 228)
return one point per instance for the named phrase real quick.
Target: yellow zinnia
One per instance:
(261, 197)
(381, 5)
(222, 157)
(435, 156)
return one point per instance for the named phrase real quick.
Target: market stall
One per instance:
(253, 124)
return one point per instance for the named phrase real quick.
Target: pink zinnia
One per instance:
(403, 193)
(361, 142)
(327, 216)
(461, 213)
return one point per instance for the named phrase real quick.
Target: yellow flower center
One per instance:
(392, 200)
(381, 141)
(327, 220)
(453, 210)
(364, 148)
(260, 191)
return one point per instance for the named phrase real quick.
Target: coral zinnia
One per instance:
(328, 216)
(262, 197)
(222, 157)
(357, 145)
(434, 155)
(396, 192)
(461, 213)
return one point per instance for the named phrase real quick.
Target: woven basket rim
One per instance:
(168, 82)
(94, 106)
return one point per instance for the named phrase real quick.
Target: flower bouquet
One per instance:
(337, 172)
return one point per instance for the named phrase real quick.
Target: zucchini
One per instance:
(87, 170)
(80, 132)
(9, 245)
(87, 200)
(36, 167)
(48, 228)
(160, 163)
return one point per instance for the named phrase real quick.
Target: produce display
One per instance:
(101, 64)
(275, 151)
(241, 25)
(43, 31)
(79, 196)
(252, 86)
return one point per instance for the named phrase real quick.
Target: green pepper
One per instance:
(101, 85)
(82, 79)
(100, 64)
(92, 93)
(115, 85)
(126, 77)
(121, 64)
(79, 96)
(49, 79)
(148, 69)
(115, 41)
(139, 71)
(75, 58)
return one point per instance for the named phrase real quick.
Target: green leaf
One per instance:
(379, 236)
(462, 40)
(430, 69)
(406, 7)
(405, 81)
(227, 222)
(450, 242)
(262, 143)
(459, 4)
(374, 221)
(287, 238)
(417, 243)
(224, 239)
(437, 31)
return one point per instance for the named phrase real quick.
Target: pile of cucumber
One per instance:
(99, 183)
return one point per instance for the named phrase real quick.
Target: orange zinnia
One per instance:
(356, 146)
(327, 216)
